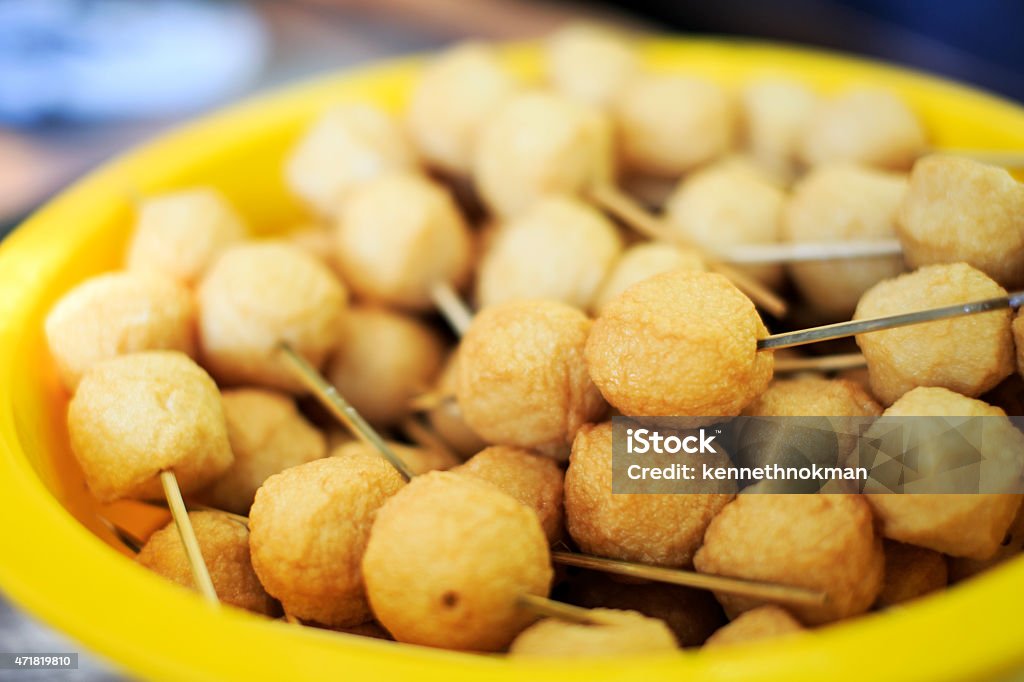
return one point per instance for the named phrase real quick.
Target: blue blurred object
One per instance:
(94, 60)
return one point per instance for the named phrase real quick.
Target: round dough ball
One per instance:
(418, 460)
(224, 544)
(448, 558)
(384, 360)
(960, 210)
(590, 63)
(116, 314)
(910, 572)
(398, 236)
(670, 123)
(309, 527)
(617, 633)
(694, 358)
(446, 419)
(534, 480)
(521, 375)
(537, 144)
(259, 295)
(137, 415)
(267, 435)
(318, 241)
(820, 542)
(764, 622)
(867, 125)
(1011, 547)
(640, 262)
(813, 396)
(180, 234)
(920, 355)
(453, 98)
(559, 249)
(775, 112)
(349, 145)
(842, 202)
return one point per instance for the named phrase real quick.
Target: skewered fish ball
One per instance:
(180, 234)
(843, 202)
(775, 113)
(957, 209)
(115, 314)
(919, 355)
(267, 435)
(813, 396)
(522, 379)
(681, 343)
(910, 572)
(384, 360)
(641, 261)
(309, 527)
(448, 558)
(764, 622)
(619, 633)
(1012, 546)
(224, 544)
(137, 415)
(259, 295)
(559, 249)
(398, 236)
(820, 542)
(348, 146)
(590, 63)
(446, 419)
(418, 460)
(866, 125)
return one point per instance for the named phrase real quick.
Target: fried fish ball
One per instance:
(910, 572)
(419, 460)
(534, 480)
(309, 527)
(659, 529)
(812, 396)
(446, 419)
(267, 435)
(1012, 546)
(318, 241)
(1018, 341)
(866, 125)
(671, 123)
(618, 633)
(843, 202)
(115, 314)
(820, 542)
(521, 376)
(775, 111)
(537, 144)
(764, 622)
(956, 209)
(384, 360)
(399, 235)
(348, 146)
(448, 558)
(180, 234)
(224, 544)
(590, 63)
(641, 261)
(919, 355)
(137, 415)
(259, 295)
(559, 249)
(963, 525)
(451, 101)
(694, 358)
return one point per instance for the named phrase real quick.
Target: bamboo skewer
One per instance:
(200, 574)
(452, 307)
(418, 433)
(542, 606)
(803, 252)
(823, 363)
(127, 538)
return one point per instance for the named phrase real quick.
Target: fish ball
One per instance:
(418, 460)
(1012, 545)
(446, 419)
(617, 633)
(764, 622)
(640, 262)
(776, 110)
(910, 572)
(590, 63)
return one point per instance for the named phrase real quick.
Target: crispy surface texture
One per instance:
(764, 622)
(620, 633)
(812, 396)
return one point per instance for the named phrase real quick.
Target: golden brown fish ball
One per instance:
(259, 295)
(559, 249)
(640, 262)
(116, 314)
(309, 527)
(267, 436)
(919, 355)
(537, 144)
(452, 99)
(448, 558)
(180, 234)
(224, 544)
(670, 123)
(764, 622)
(384, 360)
(398, 236)
(618, 633)
(534, 480)
(964, 525)
(1012, 546)
(694, 358)
(446, 419)
(960, 210)
(346, 147)
(137, 415)
(1018, 341)
(522, 379)
(842, 202)
(590, 63)
(819, 542)
(910, 572)
(317, 241)
(659, 529)
(812, 396)
(419, 460)
(866, 125)
(775, 111)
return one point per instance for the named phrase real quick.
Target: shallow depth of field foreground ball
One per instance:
(619, 633)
